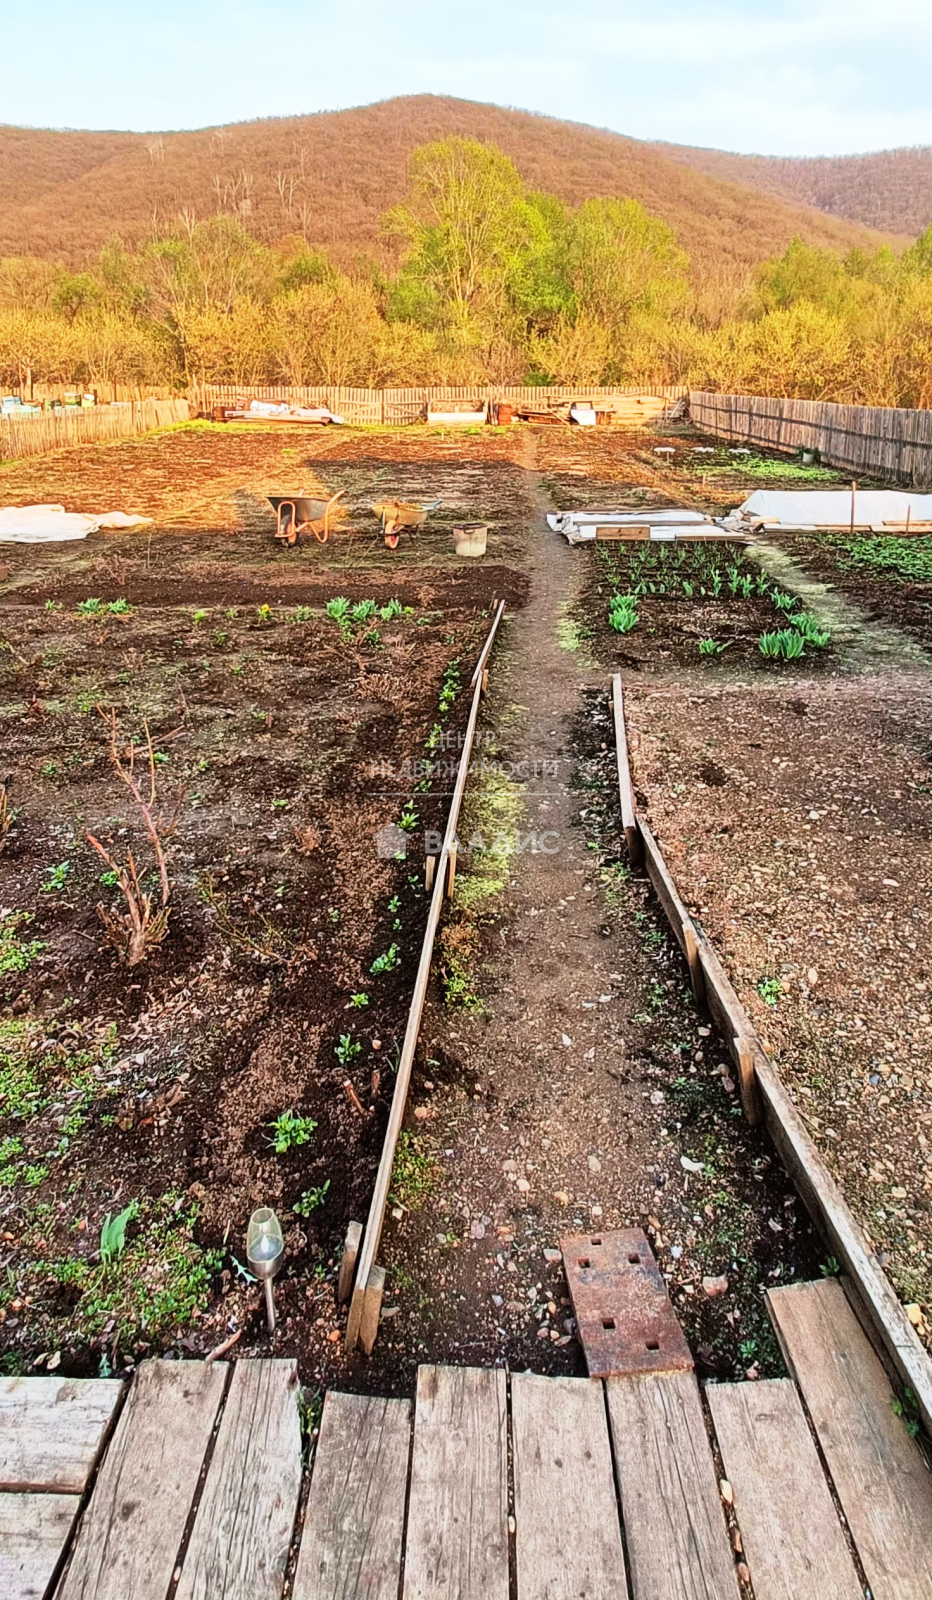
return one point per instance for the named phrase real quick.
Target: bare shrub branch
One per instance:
(144, 923)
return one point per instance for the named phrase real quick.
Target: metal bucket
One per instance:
(470, 539)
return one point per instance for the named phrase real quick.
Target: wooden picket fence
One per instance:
(394, 407)
(877, 441)
(59, 430)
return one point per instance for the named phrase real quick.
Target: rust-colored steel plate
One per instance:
(623, 1313)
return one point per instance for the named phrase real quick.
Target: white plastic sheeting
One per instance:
(55, 525)
(665, 523)
(809, 509)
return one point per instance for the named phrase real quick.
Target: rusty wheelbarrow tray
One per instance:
(299, 513)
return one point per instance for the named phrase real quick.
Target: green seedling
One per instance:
(118, 608)
(709, 647)
(623, 613)
(387, 962)
(113, 1233)
(363, 610)
(359, 1001)
(810, 630)
(199, 616)
(264, 613)
(56, 877)
(311, 1200)
(347, 1050)
(408, 820)
(393, 609)
(90, 608)
(289, 1131)
(770, 990)
(786, 645)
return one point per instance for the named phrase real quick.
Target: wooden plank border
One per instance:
(766, 1098)
(362, 1323)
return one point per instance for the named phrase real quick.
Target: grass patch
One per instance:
(156, 1284)
(414, 1173)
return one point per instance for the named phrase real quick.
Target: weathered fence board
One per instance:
(396, 407)
(59, 430)
(880, 441)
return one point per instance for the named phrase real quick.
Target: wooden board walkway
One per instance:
(488, 1486)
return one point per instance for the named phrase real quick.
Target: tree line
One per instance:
(496, 283)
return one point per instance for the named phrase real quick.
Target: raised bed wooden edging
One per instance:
(765, 1097)
(362, 1324)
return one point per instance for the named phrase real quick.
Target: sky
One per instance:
(779, 77)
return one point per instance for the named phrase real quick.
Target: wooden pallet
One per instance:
(487, 1487)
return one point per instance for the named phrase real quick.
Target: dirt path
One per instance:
(552, 1111)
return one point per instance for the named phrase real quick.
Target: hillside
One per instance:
(890, 190)
(331, 175)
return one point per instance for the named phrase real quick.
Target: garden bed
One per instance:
(209, 1078)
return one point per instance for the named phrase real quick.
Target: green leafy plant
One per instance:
(264, 613)
(90, 607)
(119, 608)
(113, 1232)
(408, 821)
(392, 609)
(311, 1200)
(709, 647)
(785, 645)
(387, 962)
(289, 1131)
(16, 954)
(200, 616)
(359, 1001)
(623, 613)
(56, 878)
(363, 610)
(810, 630)
(770, 990)
(784, 602)
(347, 1050)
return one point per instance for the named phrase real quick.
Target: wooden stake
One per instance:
(348, 1264)
(691, 948)
(853, 493)
(451, 870)
(750, 1099)
(372, 1305)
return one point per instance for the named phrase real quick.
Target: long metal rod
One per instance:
(373, 1233)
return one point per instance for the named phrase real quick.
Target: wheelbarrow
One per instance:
(300, 513)
(399, 515)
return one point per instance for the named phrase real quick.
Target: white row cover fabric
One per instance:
(578, 527)
(55, 525)
(831, 508)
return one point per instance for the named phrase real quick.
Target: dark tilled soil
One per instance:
(584, 1090)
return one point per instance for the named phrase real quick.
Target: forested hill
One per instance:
(331, 177)
(890, 190)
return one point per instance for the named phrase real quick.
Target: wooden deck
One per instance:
(487, 1486)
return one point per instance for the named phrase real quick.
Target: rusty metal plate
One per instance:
(623, 1313)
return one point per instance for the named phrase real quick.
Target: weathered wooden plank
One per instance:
(457, 1542)
(131, 1532)
(629, 819)
(882, 1482)
(353, 1530)
(678, 1544)
(793, 1540)
(568, 1539)
(33, 1530)
(239, 1545)
(51, 1430)
(837, 1223)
